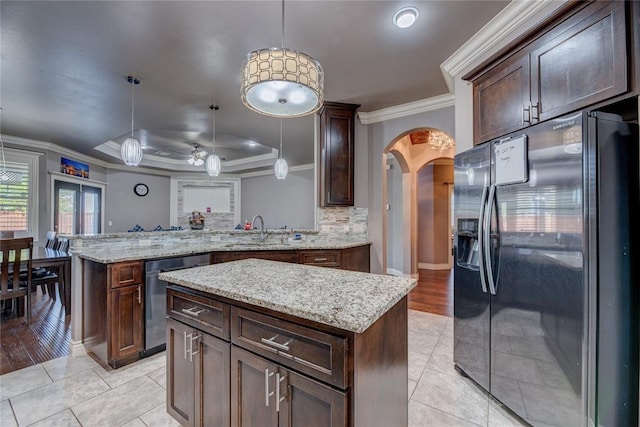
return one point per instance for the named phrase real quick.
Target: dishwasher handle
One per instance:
(165, 270)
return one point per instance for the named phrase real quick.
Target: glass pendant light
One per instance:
(280, 82)
(281, 168)
(131, 150)
(7, 176)
(213, 161)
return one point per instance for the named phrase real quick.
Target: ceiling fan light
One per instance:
(198, 162)
(281, 168)
(131, 152)
(281, 82)
(213, 165)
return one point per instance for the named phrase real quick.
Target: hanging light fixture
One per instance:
(197, 156)
(213, 161)
(280, 82)
(281, 168)
(440, 141)
(131, 150)
(7, 176)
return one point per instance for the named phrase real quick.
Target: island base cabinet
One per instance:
(266, 394)
(197, 377)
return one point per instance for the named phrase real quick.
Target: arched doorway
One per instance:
(403, 158)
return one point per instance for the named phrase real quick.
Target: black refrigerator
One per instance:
(546, 284)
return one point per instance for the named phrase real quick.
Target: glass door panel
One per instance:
(77, 208)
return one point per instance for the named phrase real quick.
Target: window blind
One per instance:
(14, 200)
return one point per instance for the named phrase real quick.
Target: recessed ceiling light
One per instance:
(406, 17)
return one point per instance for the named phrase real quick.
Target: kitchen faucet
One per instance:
(253, 226)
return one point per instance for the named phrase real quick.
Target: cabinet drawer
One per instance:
(125, 274)
(322, 258)
(317, 354)
(203, 313)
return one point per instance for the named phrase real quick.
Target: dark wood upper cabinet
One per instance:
(501, 99)
(578, 58)
(585, 64)
(337, 154)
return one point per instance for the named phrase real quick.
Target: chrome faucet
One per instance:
(253, 226)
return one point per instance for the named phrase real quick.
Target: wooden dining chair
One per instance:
(52, 240)
(62, 244)
(13, 257)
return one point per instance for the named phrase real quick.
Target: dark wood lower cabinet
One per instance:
(272, 369)
(197, 377)
(266, 394)
(127, 311)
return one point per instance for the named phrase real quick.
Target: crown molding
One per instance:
(408, 109)
(49, 146)
(514, 17)
(267, 172)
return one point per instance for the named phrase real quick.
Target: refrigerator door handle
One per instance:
(483, 204)
(486, 234)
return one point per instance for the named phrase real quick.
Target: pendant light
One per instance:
(213, 161)
(280, 82)
(281, 168)
(6, 176)
(131, 150)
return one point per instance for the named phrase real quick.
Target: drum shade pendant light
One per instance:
(7, 176)
(213, 161)
(131, 150)
(281, 82)
(281, 167)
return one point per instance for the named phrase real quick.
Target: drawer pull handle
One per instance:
(185, 345)
(274, 344)
(192, 311)
(320, 259)
(267, 395)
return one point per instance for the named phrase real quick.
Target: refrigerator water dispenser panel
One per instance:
(467, 254)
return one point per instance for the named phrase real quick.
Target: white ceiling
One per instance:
(64, 68)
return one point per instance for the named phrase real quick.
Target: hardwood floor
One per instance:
(46, 338)
(434, 292)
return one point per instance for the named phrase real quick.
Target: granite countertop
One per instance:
(344, 299)
(118, 254)
(184, 232)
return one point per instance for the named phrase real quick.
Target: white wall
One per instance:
(379, 135)
(394, 217)
(287, 202)
(125, 209)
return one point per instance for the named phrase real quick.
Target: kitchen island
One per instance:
(265, 343)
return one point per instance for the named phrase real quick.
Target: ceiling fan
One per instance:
(197, 156)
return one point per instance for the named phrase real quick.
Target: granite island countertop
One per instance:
(347, 300)
(135, 253)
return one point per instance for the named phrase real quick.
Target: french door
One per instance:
(77, 208)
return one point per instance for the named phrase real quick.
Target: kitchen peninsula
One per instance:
(268, 343)
(114, 289)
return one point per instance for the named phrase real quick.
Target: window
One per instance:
(19, 202)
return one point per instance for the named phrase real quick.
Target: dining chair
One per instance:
(52, 240)
(13, 257)
(62, 244)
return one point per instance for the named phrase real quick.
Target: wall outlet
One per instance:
(110, 223)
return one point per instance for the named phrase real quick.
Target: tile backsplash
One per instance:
(343, 222)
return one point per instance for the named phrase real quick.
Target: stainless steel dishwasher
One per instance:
(156, 298)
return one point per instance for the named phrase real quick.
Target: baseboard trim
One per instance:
(76, 348)
(429, 266)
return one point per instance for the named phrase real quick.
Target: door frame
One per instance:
(56, 176)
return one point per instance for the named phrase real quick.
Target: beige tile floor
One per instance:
(78, 392)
